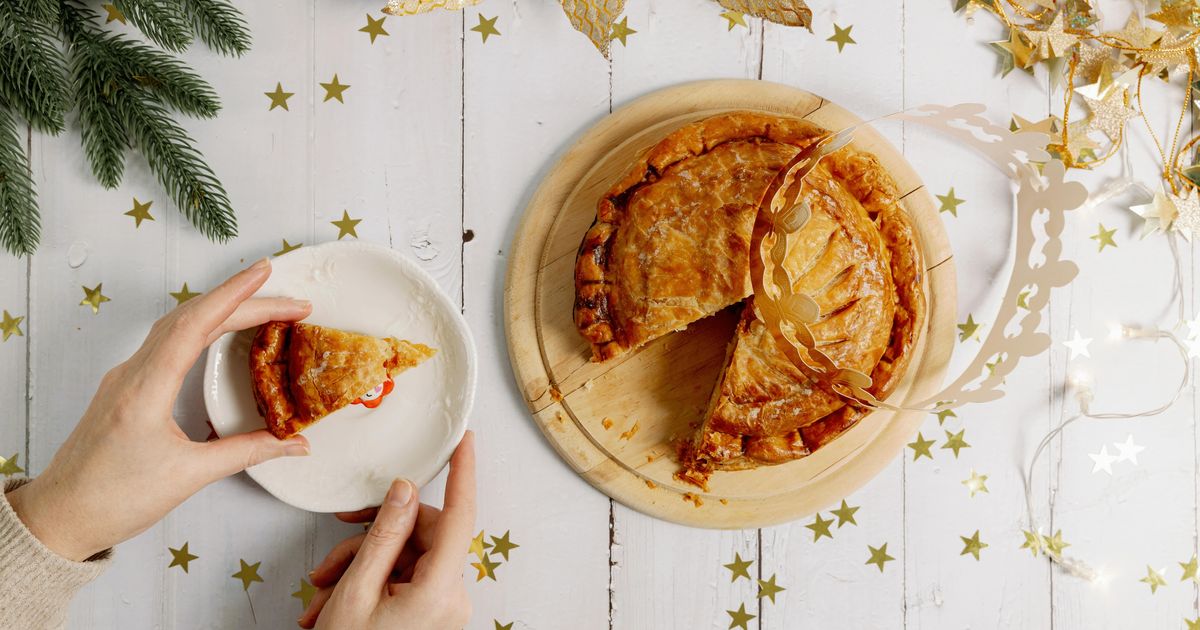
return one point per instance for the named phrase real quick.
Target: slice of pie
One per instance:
(301, 373)
(671, 245)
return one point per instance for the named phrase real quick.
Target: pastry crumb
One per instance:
(606, 423)
(555, 395)
(587, 385)
(632, 431)
(694, 498)
(649, 458)
(651, 484)
(724, 501)
(558, 416)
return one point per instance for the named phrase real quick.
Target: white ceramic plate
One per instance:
(356, 451)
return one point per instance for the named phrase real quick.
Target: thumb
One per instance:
(377, 556)
(236, 453)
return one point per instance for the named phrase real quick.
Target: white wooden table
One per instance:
(438, 146)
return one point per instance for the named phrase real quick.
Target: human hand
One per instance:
(406, 571)
(127, 463)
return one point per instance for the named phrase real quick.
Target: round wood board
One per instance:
(653, 395)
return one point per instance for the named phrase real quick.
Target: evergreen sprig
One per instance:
(124, 91)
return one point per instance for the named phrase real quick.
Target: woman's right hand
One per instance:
(407, 570)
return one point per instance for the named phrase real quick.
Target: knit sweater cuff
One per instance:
(37, 584)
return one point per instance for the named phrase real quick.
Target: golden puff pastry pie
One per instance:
(301, 373)
(671, 245)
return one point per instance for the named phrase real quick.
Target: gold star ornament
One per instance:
(972, 545)
(374, 27)
(305, 593)
(1033, 542)
(1153, 579)
(1110, 113)
(9, 467)
(734, 18)
(879, 556)
(950, 203)
(248, 574)
(140, 212)
(1015, 53)
(976, 483)
(279, 98)
(183, 295)
(739, 618)
(346, 225)
(487, 27)
(969, 329)
(486, 568)
(921, 447)
(93, 298)
(503, 545)
(621, 30)
(1104, 238)
(769, 589)
(841, 36)
(820, 527)
(478, 546)
(955, 442)
(287, 247)
(334, 89)
(845, 514)
(181, 557)
(10, 326)
(739, 568)
(1052, 40)
(1189, 570)
(113, 14)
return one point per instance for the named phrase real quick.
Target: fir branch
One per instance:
(163, 74)
(162, 21)
(219, 25)
(32, 79)
(20, 227)
(104, 138)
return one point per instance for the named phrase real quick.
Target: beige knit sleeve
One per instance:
(36, 584)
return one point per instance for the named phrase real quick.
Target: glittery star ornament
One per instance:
(1055, 544)
(879, 556)
(1015, 53)
(921, 447)
(503, 545)
(969, 329)
(287, 247)
(93, 297)
(976, 483)
(1104, 238)
(181, 557)
(486, 27)
(1189, 570)
(739, 618)
(334, 89)
(785, 12)
(183, 295)
(1110, 113)
(140, 212)
(1157, 214)
(278, 97)
(374, 28)
(1178, 15)
(1187, 214)
(768, 588)
(412, 7)
(820, 527)
(1153, 579)
(845, 514)
(955, 442)
(112, 14)
(972, 545)
(841, 36)
(1033, 542)
(346, 225)
(486, 568)
(621, 30)
(1051, 41)
(734, 19)
(305, 593)
(593, 18)
(950, 203)
(10, 326)
(248, 574)
(9, 467)
(738, 568)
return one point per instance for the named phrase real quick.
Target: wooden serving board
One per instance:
(655, 395)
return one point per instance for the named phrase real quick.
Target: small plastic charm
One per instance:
(374, 398)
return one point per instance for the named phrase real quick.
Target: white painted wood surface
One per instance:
(442, 134)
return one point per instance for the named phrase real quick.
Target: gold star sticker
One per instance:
(975, 483)
(1014, 53)
(183, 295)
(1055, 544)
(621, 30)
(334, 89)
(374, 27)
(945, 413)
(9, 467)
(768, 588)
(735, 19)
(841, 36)
(1189, 570)
(845, 514)
(305, 593)
(969, 329)
(248, 574)
(921, 447)
(1033, 542)
(10, 326)
(1192, 624)
(739, 618)
(507, 626)
(972, 545)
(140, 212)
(879, 556)
(181, 557)
(1110, 113)
(1153, 579)
(346, 225)
(820, 527)
(739, 568)
(93, 298)
(279, 98)
(487, 28)
(1052, 41)
(287, 247)
(113, 14)
(478, 546)
(1023, 300)
(950, 203)
(502, 545)
(1104, 237)
(955, 442)
(486, 568)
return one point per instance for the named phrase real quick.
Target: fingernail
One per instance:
(300, 303)
(261, 264)
(400, 493)
(293, 449)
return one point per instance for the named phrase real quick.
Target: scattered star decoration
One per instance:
(950, 203)
(305, 593)
(94, 298)
(1153, 579)
(735, 19)
(621, 30)
(113, 14)
(1033, 542)
(739, 618)
(945, 413)
(478, 546)
(1102, 460)
(487, 27)
(374, 27)
(1127, 451)
(503, 545)
(183, 295)
(9, 467)
(10, 326)
(879, 556)
(1104, 237)
(140, 212)
(486, 568)
(287, 247)
(976, 483)
(181, 557)
(969, 329)
(1189, 570)
(739, 568)
(820, 527)
(845, 514)
(921, 447)
(248, 574)
(768, 588)
(1078, 346)
(499, 626)
(972, 545)
(334, 89)
(346, 225)
(841, 36)
(279, 98)
(955, 442)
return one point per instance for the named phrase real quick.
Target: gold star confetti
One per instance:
(1110, 113)
(486, 568)
(181, 557)
(183, 295)
(972, 545)
(735, 19)
(9, 467)
(841, 36)
(739, 568)
(621, 30)
(279, 97)
(955, 442)
(845, 514)
(739, 618)
(975, 483)
(248, 574)
(768, 588)
(1104, 237)
(334, 89)
(1192, 624)
(969, 329)
(921, 447)
(1153, 579)
(346, 225)
(1023, 300)
(287, 247)
(1051, 41)
(1033, 542)
(503, 545)
(499, 626)
(487, 27)
(1014, 53)
(140, 212)
(93, 298)
(478, 546)
(374, 27)
(305, 593)
(879, 556)
(1189, 570)
(113, 14)
(944, 414)
(950, 203)
(820, 527)
(10, 326)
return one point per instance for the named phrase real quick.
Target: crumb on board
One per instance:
(651, 484)
(694, 498)
(555, 395)
(606, 423)
(558, 416)
(632, 431)
(724, 501)
(649, 458)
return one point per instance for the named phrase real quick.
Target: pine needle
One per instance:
(219, 25)
(162, 21)
(32, 80)
(20, 226)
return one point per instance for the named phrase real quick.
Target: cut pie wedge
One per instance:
(301, 373)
